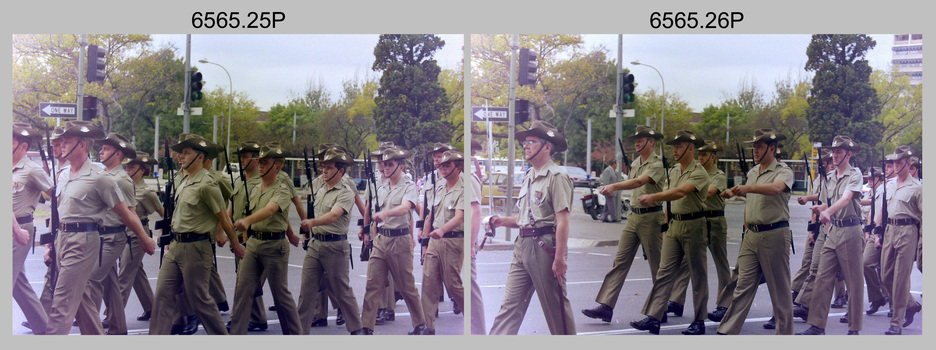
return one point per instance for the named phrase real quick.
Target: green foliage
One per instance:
(411, 105)
(902, 110)
(842, 100)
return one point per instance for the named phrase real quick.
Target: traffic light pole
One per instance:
(618, 111)
(82, 44)
(186, 104)
(511, 130)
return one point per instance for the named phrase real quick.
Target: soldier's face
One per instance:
(705, 157)
(133, 170)
(531, 146)
(760, 148)
(266, 164)
(888, 169)
(17, 146)
(329, 171)
(107, 152)
(679, 149)
(248, 159)
(641, 142)
(839, 155)
(436, 158)
(57, 148)
(387, 167)
(902, 167)
(446, 169)
(188, 155)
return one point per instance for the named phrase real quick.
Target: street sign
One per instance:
(490, 114)
(626, 113)
(58, 110)
(194, 111)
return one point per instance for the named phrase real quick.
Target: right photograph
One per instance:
(696, 184)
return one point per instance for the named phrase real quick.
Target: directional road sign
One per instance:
(490, 114)
(58, 110)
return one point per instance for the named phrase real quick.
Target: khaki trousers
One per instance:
(392, 257)
(268, 259)
(841, 253)
(477, 303)
(684, 241)
(444, 259)
(898, 252)
(257, 312)
(188, 265)
(871, 260)
(76, 257)
(640, 229)
(766, 254)
(805, 296)
(103, 286)
(531, 270)
(331, 259)
(717, 241)
(22, 292)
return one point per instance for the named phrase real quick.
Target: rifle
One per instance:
(310, 202)
(669, 212)
(742, 162)
(424, 242)
(53, 221)
(165, 224)
(879, 229)
(243, 178)
(870, 227)
(372, 208)
(822, 189)
(813, 227)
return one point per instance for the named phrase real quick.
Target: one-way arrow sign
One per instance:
(490, 114)
(58, 110)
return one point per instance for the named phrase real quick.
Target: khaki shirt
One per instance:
(319, 181)
(389, 198)
(544, 193)
(224, 183)
(905, 200)
(718, 180)
(239, 202)
(475, 188)
(88, 196)
(127, 189)
(850, 180)
(762, 209)
(198, 199)
(327, 198)
(29, 181)
(447, 202)
(147, 201)
(696, 175)
(284, 178)
(278, 193)
(653, 168)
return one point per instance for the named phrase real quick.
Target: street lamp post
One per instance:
(230, 100)
(663, 104)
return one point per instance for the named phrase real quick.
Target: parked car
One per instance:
(580, 178)
(500, 188)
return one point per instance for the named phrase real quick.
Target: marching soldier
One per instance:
(612, 209)
(539, 260)
(716, 228)
(901, 239)
(765, 246)
(132, 274)
(267, 246)
(871, 257)
(216, 288)
(445, 228)
(387, 300)
(86, 194)
(393, 243)
(646, 176)
(29, 181)
(842, 249)
(104, 285)
(329, 251)
(188, 262)
(685, 238)
(477, 302)
(47, 289)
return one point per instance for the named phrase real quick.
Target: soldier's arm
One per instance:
(130, 219)
(505, 221)
(359, 204)
(329, 217)
(228, 227)
(770, 189)
(712, 191)
(562, 245)
(300, 210)
(397, 210)
(840, 203)
(450, 225)
(264, 213)
(630, 184)
(475, 223)
(673, 193)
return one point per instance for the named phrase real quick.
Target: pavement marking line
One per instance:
(681, 326)
(599, 254)
(579, 282)
(494, 263)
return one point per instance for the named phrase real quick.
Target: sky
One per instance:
(272, 69)
(703, 69)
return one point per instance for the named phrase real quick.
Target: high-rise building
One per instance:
(908, 56)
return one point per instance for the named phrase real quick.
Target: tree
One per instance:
(902, 109)
(411, 105)
(842, 100)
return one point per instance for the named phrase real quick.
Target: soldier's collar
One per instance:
(545, 170)
(21, 163)
(115, 170)
(198, 176)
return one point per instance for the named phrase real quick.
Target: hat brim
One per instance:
(94, 133)
(655, 136)
(559, 142)
(697, 142)
(191, 143)
(128, 153)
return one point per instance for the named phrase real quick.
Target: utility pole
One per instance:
(511, 130)
(82, 45)
(618, 128)
(186, 104)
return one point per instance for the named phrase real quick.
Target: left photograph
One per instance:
(238, 184)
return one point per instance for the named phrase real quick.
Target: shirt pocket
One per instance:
(18, 187)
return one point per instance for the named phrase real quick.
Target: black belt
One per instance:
(646, 210)
(846, 222)
(79, 227)
(690, 216)
(112, 229)
(894, 222)
(536, 231)
(767, 227)
(393, 232)
(268, 236)
(22, 220)
(187, 237)
(328, 237)
(454, 234)
(714, 213)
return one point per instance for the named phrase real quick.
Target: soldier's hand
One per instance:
(149, 245)
(360, 233)
(801, 200)
(239, 250)
(606, 191)
(877, 241)
(645, 200)
(21, 236)
(437, 233)
(495, 221)
(727, 193)
(379, 217)
(47, 256)
(307, 225)
(559, 268)
(221, 239)
(241, 225)
(810, 239)
(474, 250)
(293, 239)
(825, 217)
(366, 238)
(423, 257)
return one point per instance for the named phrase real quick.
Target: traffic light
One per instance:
(527, 73)
(627, 88)
(96, 64)
(196, 86)
(90, 108)
(521, 111)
